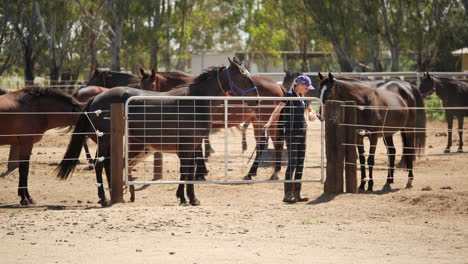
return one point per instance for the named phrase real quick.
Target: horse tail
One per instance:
(420, 137)
(71, 157)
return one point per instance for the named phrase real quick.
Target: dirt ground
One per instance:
(244, 223)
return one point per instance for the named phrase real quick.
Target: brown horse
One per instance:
(393, 106)
(239, 113)
(185, 123)
(453, 94)
(29, 113)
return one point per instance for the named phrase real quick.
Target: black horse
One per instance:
(453, 93)
(386, 109)
(177, 126)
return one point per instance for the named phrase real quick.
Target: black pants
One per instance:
(296, 144)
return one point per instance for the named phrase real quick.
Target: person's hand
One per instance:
(267, 126)
(312, 116)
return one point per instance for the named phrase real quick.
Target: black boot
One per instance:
(288, 193)
(297, 193)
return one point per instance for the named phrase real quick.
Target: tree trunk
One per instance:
(115, 61)
(28, 61)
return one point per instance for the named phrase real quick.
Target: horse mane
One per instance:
(207, 74)
(30, 92)
(174, 74)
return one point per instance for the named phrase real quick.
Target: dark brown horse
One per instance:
(393, 106)
(163, 81)
(185, 123)
(109, 79)
(26, 115)
(239, 113)
(454, 94)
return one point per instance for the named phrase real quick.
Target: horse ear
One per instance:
(330, 76)
(96, 71)
(320, 76)
(230, 61)
(427, 74)
(153, 74)
(142, 72)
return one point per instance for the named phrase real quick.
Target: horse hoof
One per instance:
(387, 187)
(361, 190)
(370, 189)
(409, 186)
(132, 199)
(447, 151)
(460, 150)
(183, 204)
(195, 202)
(104, 203)
(247, 178)
(289, 200)
(274, 177)
(89, 168)
(31, 201)
(24, 202)
(200, 178)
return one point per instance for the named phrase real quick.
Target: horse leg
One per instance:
(409, 155)
(244, 131)
(201, 171)
(102, 151)
(371, 161)
(88, 157)
(460, 133)
(24, 156)
(449, 117)
(261, 146)
(391, 158)
(278, 142)
(137, 153)
(208, 148)
(189, 176)
(362, 162)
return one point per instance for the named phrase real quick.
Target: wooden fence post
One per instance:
(117, 132)
(334, 149)
(350, 151)
(157, 166)
(13, 158)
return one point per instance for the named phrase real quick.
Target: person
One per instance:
(292, 115)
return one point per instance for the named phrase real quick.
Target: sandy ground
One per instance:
(245, 223)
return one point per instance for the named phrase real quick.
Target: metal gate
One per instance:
(154, 121)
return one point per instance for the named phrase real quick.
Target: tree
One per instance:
(60, 21)
(20, 16)
(8, 42)
(337, 22)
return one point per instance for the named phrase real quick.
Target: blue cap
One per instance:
(304, 79)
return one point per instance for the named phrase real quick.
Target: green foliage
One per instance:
(434, 102)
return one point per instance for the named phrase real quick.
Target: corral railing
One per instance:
(228, 164)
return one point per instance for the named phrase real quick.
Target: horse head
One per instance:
(148, 80)
(289, 79)
(239, 80)
(99, 78)
(427, 86)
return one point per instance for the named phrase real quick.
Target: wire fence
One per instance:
(229, 163)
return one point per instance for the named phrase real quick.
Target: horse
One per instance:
(110, 79)
(238, 113)
(393, 106)
(3, 91)
(32, 111)
(453, 93)
(183, 130)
